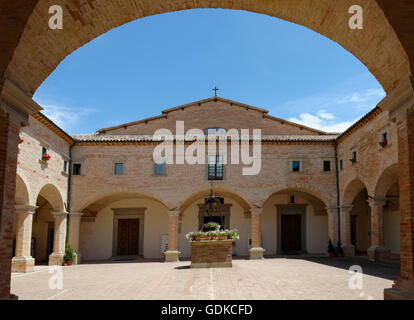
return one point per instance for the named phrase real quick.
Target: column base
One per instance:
(77, 259)
(172, 255)
(399, 291)
(349, 250)
(56, 259)
(23, 264)
(256, 253)
(377, 253)
(10, 297)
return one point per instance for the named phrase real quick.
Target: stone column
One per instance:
(256, 251)
(172, 254)
(400, 106)
(333, 224)
(377, 251)
(23, 261)
(347, 246)
(59, 240)
(74, 232)
(9, 135)
(15, 108)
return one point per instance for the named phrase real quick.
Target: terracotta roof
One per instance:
(96, 137)
(53, 126)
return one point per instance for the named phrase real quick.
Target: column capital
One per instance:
(25, 208)
(376, 202)
(256, 210)
(173, 213)
(76, 214)
(59, 213)
(332, 208)
(346, 208)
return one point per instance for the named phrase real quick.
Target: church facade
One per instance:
(104, 195)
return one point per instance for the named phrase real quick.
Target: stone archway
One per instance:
(296, 220)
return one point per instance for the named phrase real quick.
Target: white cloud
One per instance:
(318, 122)
(337, 111)
(68, 118)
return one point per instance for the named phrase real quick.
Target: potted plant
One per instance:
(331, 249)
(69, 256)
(20, 140)
(211, 226)
(46, 157)
(339, 252)
(200, 236)
(383, 143)
(220, 235)
(233, 234)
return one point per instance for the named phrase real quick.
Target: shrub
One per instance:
(69, 254)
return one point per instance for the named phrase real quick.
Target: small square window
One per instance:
(327, 166)
(159, 169)
(119, 168)
(76, 169)
(295, 166)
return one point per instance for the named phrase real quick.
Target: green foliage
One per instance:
(69, 253)
(211, 226)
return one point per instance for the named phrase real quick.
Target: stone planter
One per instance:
(202, 238)
(211, 253)
(219, 237)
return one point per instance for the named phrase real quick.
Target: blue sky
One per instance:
(137, 70)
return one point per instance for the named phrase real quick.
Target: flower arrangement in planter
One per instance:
(339, 252)
(46, 157)
(211, 231)
(20, 140)
(69, 256)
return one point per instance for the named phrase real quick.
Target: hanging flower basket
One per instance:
(46, 157)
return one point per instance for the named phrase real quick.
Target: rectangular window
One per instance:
(341, 164)
(65, 166)
(327, 166)
(44, 151)
(295, 166)
(76, 169)
(119, 168)
(159, 169)
(215, 167)
(354, 157)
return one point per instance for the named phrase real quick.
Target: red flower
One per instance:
(20, 140)
(46, 157)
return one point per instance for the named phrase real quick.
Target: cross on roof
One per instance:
(215, 91)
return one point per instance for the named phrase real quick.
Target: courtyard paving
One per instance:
(272, 278)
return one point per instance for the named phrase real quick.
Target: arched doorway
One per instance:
(49, 226)
(294, 221)
(386, 218)
(120, 225)
(355, 219)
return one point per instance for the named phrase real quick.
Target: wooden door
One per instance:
(128, 237)
(291, 232)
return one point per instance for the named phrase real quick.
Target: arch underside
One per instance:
(40, 49)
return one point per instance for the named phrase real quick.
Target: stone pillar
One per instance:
(59, 240)
(256, 251)
(347, 246)
(9, 135)
(22, 261)
(400, 105)
(74, 232)
(333, 224)
(15, 108)
(377, 251)
(172, 254)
